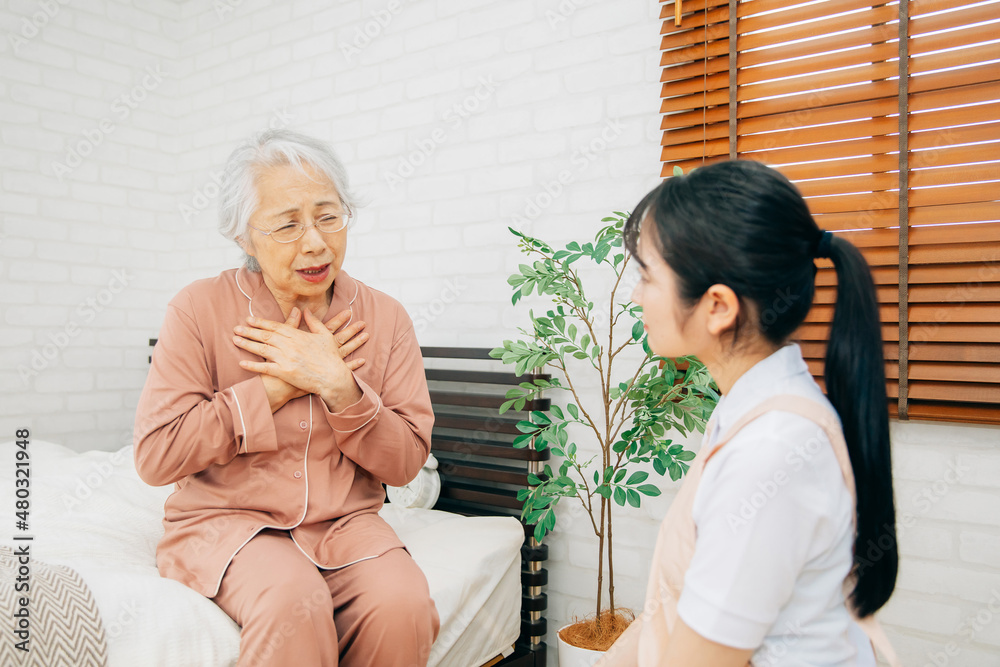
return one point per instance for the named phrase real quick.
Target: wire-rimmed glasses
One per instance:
(290, 232)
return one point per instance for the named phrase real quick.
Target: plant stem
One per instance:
(600, 562)
(611, 567)
(624, 397)
(561, 366)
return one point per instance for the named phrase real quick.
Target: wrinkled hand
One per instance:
(299, 362)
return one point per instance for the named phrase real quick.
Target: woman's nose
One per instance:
(312, 239)
(636, 295)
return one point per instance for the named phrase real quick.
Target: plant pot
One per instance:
(572, 656)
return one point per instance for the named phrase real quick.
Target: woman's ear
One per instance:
(247, 245)
(722, 308)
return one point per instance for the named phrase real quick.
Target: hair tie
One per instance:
(821, 249)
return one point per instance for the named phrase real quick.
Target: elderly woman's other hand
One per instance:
(298, 362)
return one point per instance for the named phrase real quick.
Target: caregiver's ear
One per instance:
(721, 308)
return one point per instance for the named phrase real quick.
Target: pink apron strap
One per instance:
(823, 417)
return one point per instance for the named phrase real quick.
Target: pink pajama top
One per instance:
(204, 424)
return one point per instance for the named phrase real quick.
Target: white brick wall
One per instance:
(456, 118)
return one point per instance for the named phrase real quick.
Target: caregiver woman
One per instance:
(281, 396)
(726, 258)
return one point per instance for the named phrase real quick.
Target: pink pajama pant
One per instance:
(376, 612)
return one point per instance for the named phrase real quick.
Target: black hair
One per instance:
(741, 224)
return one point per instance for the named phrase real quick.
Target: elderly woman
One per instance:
(280, 397)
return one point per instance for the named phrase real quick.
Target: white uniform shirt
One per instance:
(775, 534)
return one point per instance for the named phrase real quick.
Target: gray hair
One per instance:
(238, 198)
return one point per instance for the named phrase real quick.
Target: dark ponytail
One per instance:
(855, 384)
(746, 226)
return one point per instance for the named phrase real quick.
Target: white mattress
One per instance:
(91, 512)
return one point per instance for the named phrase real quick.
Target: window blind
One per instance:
(887, 118)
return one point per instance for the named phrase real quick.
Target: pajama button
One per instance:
(296, 474)
(303, 424)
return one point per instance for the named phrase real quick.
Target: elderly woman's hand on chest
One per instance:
(298, 362)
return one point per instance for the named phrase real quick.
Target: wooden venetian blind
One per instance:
(887, 118)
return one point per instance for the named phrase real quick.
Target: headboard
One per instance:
(481, 471)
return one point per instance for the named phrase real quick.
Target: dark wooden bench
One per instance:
(481, 471)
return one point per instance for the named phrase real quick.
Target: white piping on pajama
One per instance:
(239, 408)
(305, 509)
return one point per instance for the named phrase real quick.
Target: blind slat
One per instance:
(954, 58)
(691, 118)
(809, 135)
(813, 81)
(966, 76)
(824, 61)
(948, 118)
(921, 24)
(863, 37)
(817, 99)
(755, 17)
(872, 17)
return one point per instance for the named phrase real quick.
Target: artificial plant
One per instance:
(639, 403)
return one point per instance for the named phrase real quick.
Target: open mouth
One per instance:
(315, 274)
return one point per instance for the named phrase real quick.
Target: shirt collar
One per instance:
(263, 304)
(766, 378)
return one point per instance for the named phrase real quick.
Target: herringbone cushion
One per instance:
(65, 626)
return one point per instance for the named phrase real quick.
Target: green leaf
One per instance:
(675, 471)
(620, 496)
(620, 475)
(633, 498)
(573, 410)
(649, 490)
(637, 330)
(526, 427)
(572, 332)
(603, 490)
(678, 171)
(557, 411)
(541, 417)
(539, 531)
(637, 478)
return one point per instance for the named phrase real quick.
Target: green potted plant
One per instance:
(627, 425)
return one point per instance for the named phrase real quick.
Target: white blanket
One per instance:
(92, 513)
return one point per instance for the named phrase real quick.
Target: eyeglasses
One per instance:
(293, 231)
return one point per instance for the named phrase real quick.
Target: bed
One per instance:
(92, 513)
(95, 525)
